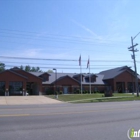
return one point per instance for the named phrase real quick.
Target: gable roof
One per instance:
(14, 73)
(112, 73)
(58, 79)
(18, 70)
(52, 78)
(76, 75)
(90, 75)
(39, 73)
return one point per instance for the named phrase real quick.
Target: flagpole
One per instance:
(80, 72)
(81, 77)
(89, 77)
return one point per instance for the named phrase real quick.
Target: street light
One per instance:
(56, 95)
(133, 57)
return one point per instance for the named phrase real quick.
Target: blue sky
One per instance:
(64, 29)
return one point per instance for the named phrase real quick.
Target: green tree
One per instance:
(50, 71)
(27, 68)
(35, 69)
(2, 66)
(30, 69)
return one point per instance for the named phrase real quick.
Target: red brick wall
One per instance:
(8, 76)
(124, 77)
(31, 78)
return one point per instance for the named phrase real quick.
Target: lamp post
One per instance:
(56, 95)
(131, 48)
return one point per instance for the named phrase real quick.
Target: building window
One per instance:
(87, 80)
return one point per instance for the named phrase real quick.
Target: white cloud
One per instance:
(86, 29)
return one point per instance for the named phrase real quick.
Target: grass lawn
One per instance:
(88, 98)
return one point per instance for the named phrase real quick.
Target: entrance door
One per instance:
(120, 87)
(65, 90)
(2, 88)
(15, 88)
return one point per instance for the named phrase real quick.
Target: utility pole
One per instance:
(132, 48)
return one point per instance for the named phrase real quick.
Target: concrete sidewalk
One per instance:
(26, 100)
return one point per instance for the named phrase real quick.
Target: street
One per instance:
(93, 121)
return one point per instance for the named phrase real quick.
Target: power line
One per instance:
(60, 47)
(27, 33)
(50, 59)
(61, 67)
(28, 63)
(88, 42)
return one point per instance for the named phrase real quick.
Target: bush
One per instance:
(74, 91)
(78, 91)
(108, 93)
(96, 91)
(56, 92)
(61, 92)
(83, 92)
(49, 92)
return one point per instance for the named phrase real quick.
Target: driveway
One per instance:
(27, 100)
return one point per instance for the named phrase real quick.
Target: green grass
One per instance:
(71, 97)
(88, 98)
(111, 99)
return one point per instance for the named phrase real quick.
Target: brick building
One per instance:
(17, 82)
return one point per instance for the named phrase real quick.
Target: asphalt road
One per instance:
(93, 121)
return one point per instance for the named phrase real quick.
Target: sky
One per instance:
(59, 31)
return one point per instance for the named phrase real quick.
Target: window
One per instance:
(87, 79)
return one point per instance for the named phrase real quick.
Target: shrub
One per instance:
(49, 92)
(61, 92)
(78, 91)
(83, 92)
(108, 93)
(56, 92)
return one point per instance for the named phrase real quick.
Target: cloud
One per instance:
(112, 36)
(86, 29)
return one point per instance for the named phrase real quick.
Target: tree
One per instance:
(21, 67)
(35, 69)
(2, 66)
(30, 69)
(50, 71)
(27, 68)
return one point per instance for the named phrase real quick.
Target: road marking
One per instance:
(14, 115)
(65, 113)
(82, 112)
